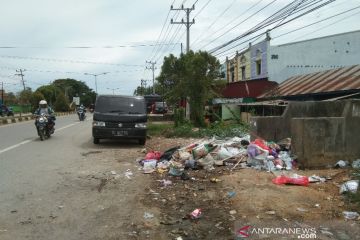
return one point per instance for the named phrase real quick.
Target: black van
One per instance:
(117, 116)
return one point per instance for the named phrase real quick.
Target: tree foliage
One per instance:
(62, 104)
(191, 75)
(37, 96)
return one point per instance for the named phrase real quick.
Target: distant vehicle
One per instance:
(91, 108)
(117, 116)
(150, 100)
(6, 111)
(160, 107)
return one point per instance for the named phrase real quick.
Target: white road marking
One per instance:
(15, 146)
(27, 141)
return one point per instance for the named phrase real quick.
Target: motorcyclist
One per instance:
(48, 111)
(81, 108)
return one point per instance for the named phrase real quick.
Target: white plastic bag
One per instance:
(351, 186)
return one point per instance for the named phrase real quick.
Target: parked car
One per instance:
(6, 111)
(117, 116)
(159, 107)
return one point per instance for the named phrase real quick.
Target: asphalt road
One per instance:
(29, 170)
(64, 187)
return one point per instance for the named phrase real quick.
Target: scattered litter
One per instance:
(270, 212)
(233, 212)
(148, 215)
(150, 165)
(301, 209)
(13, 211)
(295, 180)
(349, 186)
(60, 207)
(315, 178)
(153, 155)
(128, 174)
(218, 226)
(215, 180)
(350, 215)
(326, 231)
(179, 238)
(113, 173)
(356, 163)
(317, 205)
(197, 213)
(341, 164)
(231, 194)
(165, 182)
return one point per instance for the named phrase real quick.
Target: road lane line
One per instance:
(27, 141)
(15, 146)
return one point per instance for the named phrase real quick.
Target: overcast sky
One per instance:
(65, 39)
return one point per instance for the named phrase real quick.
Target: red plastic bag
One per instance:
(298, 180)
(261, 143)
(153, 155)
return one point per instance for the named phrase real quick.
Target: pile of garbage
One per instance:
(206, 154)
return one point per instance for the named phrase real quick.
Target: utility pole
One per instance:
(143, 86)
(187, 23)
(153, 71)
(22, 76)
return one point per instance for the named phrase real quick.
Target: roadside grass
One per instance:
(187, 130)
(158, 129)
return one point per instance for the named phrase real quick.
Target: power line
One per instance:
(90, 47)
(216, 19)
(167, 33)
(69, 61)
(270, 20)
(322, 20)
(261, 9)
(319, 29)
(162, 29)
(203, 7)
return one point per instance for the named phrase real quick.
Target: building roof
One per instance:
(334, 80)
(250, 88)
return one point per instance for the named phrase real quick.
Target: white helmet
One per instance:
(43, 104)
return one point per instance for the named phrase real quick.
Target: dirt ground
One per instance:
(245, 197)
(105, 195)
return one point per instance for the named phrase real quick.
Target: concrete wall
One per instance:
(322, 132)
(313, 55)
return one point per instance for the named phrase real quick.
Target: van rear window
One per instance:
(120, 105)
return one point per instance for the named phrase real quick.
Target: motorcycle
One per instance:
(81, 114)
(44, 127)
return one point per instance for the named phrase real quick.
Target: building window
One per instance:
(232, 74)
(258, 67)
(243, 75)
(274, 56)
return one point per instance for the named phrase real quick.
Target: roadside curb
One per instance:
(27, 117)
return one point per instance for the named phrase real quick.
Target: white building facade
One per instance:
(314, 55)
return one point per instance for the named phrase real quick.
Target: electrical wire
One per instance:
(212, 23)
(247, 10)
(68, 61)
(264, 24)
(322, 20)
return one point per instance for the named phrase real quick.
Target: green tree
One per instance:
(74, 88)
(49, 93)
(61, 103)
(10, 99)
(191, 75)
(25, 96)
(36, 97)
